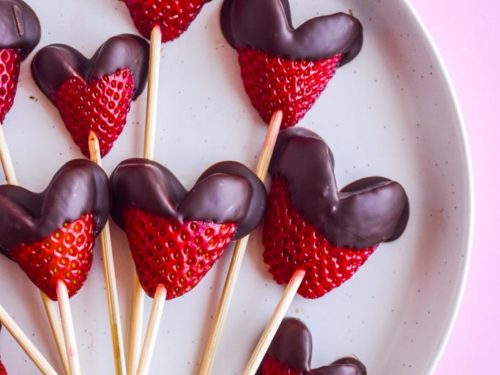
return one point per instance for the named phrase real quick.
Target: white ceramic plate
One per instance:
(391, 112)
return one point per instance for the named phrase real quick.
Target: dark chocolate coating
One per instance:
(226, 192)
(292, 347)
(79, 187)
(55, 64)
(19, 27)
(364, 213)
(255, 210)
(266, 25)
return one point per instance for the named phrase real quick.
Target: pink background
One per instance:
(467, 34)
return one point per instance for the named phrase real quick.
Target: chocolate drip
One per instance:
(267, 25)
(226, 192)
(56, 63)
(19, 27)
(363, 214)
(292, 347)
(79, 187)
(256, 207)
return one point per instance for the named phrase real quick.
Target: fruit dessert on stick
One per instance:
(315, 236)
(176, 235)
(160, 21)
(20, 35)
(284, 70)
(25, 343)
(94, 97)
(291, 350)
(51, 235)
(49, 307)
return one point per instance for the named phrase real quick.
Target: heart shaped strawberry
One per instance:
(291, 351)
(51, 234)
(309, 224)
(176, 235)
(285, 68)
(93, 95)
(20, 35)
(172, 16)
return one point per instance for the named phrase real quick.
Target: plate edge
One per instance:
(470, 183)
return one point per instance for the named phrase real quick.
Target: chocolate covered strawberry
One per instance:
(310, 225)
(291, 351)
(172, 16)
(288, 236)
(285, 68)
(20, 35)
(96, 94)
(176, 235)
(51, 235)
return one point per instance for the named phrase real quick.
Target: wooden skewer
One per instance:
(269, 143)
(68, 328)
(152, 330)
(136, 326)
(7, 165)
(110, 276)
(55, 326)
(238, 254)
(25, 343)
(149, 147)
(153, 86)
(273, 325)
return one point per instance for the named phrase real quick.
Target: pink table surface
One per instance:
(467, 34)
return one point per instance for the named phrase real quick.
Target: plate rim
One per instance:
(470, 204)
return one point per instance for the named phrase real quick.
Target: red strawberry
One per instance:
(173, 16)
(290, 243)
(65, 255)
(10, 61)
(276, 83)
(3, 371)
(270, 366)
(174, 254)
(101, 105)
